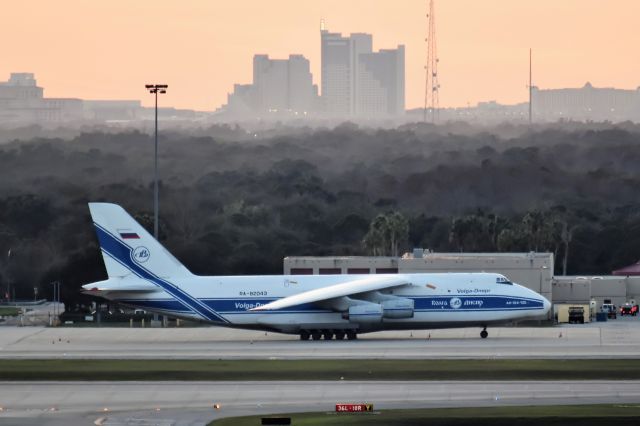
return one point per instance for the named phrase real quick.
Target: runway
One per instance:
(190, 403)
(615, 339)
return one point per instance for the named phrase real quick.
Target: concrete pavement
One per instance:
(619, 339)
(192, 403)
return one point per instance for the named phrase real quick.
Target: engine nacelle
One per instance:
(365, 313)
(397, 308)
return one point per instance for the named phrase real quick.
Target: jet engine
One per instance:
(365, 313)
(397, 308)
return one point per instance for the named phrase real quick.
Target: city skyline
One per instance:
(109, 50)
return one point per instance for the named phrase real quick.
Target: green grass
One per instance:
(583, 415)
(503, 369)
(9, 311)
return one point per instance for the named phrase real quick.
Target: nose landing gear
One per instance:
(484, 333)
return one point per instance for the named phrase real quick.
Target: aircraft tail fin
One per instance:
(127, 248)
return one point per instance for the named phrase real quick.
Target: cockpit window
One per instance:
(503, 280)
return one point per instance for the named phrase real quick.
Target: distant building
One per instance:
(302, 93)
(271, 83)
(58, 110)
(340, 70)
(21, 85)
(242, 100)
(358, 82)
(22, 102)
(111, 110)
(381, 83)
(280, 86)
(586, 103)
(20, 98)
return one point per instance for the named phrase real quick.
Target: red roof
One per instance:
(628, 270)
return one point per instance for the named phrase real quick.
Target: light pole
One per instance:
(9, 278)
(155, 89)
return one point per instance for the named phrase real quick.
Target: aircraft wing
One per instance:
(346, 288)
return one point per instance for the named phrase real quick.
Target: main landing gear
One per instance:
(328, 334)
(484, 333)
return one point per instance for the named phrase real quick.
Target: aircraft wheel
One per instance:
(484, 334)
(351, 335)
(316, 335)
(339, 335)
(304, 335)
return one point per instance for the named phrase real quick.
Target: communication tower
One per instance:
(431, 86)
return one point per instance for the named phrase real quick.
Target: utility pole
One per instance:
(431, 85)
(155, 89)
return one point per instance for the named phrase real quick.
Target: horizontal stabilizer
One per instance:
(117, 285)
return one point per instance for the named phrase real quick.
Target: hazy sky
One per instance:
(108, 49)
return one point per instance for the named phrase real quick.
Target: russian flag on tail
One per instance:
(127, 235)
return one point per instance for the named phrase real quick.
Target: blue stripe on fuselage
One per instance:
(422, 304)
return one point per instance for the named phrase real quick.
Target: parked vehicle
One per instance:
(628, 309)
(610, 309)
(576, 315)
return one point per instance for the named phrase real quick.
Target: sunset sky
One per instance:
(95, 49)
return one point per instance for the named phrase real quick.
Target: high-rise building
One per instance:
(357, 81)
(271, 83)
(381, 83)
(303, 94)
(279, 86)
(337, 80)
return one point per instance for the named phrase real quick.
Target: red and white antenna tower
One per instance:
(431, 86)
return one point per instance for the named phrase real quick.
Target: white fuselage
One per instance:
(441, 300)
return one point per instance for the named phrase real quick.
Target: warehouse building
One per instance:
(532, 270)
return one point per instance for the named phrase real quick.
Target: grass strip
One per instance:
(583, 415)
(387, 369)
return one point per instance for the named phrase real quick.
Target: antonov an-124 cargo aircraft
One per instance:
(143, 274)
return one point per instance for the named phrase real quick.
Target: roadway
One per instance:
(192, 403)
(614, 339)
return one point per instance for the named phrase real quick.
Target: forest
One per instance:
(237, 201)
